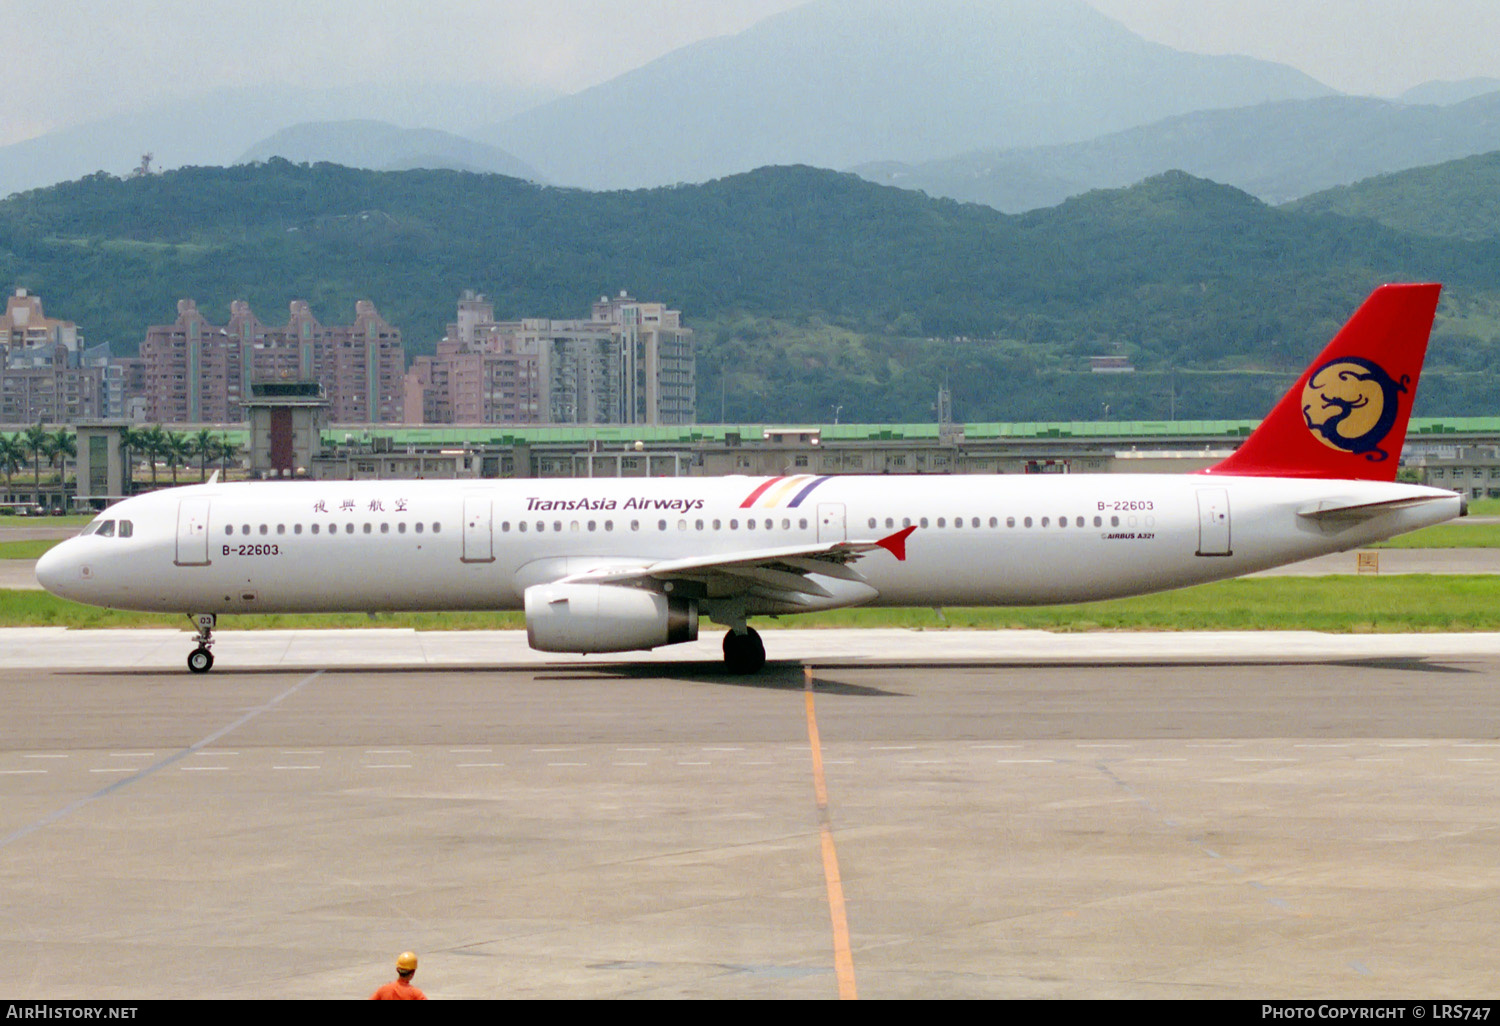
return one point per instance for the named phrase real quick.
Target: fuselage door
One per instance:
(831, 522)
(1213, 522)
(192, 532)
(479, 541)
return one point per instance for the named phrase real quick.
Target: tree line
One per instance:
(155, 444)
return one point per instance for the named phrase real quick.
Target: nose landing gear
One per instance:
(200, 659)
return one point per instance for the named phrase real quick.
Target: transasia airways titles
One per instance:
(635, 502)
(623, 565)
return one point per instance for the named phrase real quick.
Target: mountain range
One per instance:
(807, 288)
(380, 146)
(1277, 151)
(833, 83)
(836, 83)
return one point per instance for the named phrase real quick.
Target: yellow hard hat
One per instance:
(406, 962)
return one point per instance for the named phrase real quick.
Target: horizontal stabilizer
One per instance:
(1333, 509)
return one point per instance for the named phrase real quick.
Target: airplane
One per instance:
(616, 565)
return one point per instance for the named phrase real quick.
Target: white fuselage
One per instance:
(451, 545)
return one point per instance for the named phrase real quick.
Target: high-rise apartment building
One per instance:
(196, 371)
(629, 363)
(46, 374)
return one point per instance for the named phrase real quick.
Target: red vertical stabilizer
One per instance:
(1346, 416)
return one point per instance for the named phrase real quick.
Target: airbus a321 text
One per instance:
(625, 564)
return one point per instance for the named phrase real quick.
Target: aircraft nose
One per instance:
(59, 571)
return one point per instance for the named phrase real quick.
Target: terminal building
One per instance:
(293, 439)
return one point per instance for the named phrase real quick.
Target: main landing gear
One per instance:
(744, 652)
(200, 659)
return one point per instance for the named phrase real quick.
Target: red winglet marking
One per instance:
(895, 544)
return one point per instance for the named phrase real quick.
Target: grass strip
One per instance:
(24, 549)
(1339, 604)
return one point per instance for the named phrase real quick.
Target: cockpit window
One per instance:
(126, 528)
(89, 529)
(106, 529)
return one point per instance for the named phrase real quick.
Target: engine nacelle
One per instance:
(605, 618)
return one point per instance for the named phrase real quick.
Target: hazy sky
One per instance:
(73, 60)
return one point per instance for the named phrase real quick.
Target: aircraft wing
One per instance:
(782, 573)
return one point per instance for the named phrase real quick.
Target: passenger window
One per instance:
(314, 528)
(1080, 522)
(264, 529)
(281, 529)
(1010, 521)
(520, 527)
(385, 527)
(228, 528)
(437, 528)
(401, 527)
(1027, 521)
(1046, 521)
(296, 528)
(349, 528)
(872, 523)
(750, 525)
(661, 525)
(635, 525)
(942, 521)
(367, 529)
(1098, 521)
(923, 521)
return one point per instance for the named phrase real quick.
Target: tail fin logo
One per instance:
(1350, 404)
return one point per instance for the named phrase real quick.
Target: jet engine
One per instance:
(605, 618)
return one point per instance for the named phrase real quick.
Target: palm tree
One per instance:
(227, 451)
(12, 456)
(130, 442)
(177, 449)
(206, 447)
(64, 447)
(39, 443)
(152, 441)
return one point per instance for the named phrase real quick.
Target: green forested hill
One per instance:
(1459, 199)
(809, 289)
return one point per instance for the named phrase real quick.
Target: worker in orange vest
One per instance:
(401, 989)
